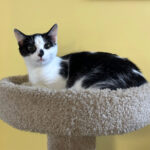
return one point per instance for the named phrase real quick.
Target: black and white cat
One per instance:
(77, 70)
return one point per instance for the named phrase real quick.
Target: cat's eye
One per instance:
(47, 45)
(31, 48)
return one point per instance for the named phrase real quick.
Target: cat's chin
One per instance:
(42, 62)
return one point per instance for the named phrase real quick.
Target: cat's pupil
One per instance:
(31, 48)
(47, 45)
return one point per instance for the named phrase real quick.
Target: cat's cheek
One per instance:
(33, 58)
(48, 56)
(51, 57)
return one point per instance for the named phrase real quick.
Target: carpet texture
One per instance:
(72, 112)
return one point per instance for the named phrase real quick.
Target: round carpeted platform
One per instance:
(72, 113)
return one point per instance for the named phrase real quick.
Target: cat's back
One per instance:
(104, 60)
(101, 69)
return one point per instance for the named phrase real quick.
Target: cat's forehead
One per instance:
(36, 39)
(39, 40)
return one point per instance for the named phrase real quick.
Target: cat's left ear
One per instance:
(53, 32)
(19, 35)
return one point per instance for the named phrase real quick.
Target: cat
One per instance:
(81, 70)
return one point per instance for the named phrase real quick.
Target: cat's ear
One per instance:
(53, 32)
(19, 35)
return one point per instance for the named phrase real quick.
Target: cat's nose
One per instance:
(41, 53)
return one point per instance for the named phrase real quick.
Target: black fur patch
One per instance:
(64, 69)
(48, 39)
(29, 40)
(101, 70)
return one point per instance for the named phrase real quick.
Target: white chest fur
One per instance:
(47, 75)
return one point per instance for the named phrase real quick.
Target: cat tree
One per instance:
(72, 119)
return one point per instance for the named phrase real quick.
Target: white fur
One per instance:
(48, 75)
(137, 72)
(119, 57)
(78, 84)
(45, 72)
(39, 42)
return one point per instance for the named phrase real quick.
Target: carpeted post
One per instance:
(71, 143)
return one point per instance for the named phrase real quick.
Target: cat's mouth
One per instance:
(41, 60)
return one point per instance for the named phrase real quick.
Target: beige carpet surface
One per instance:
(73, 113)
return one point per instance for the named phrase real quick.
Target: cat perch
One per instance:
(72, 119)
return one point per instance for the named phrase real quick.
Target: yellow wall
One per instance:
(121, 27)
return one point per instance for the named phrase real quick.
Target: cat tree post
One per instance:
(72, 119)
(71, 143)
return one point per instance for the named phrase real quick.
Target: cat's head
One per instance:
(38, 49)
